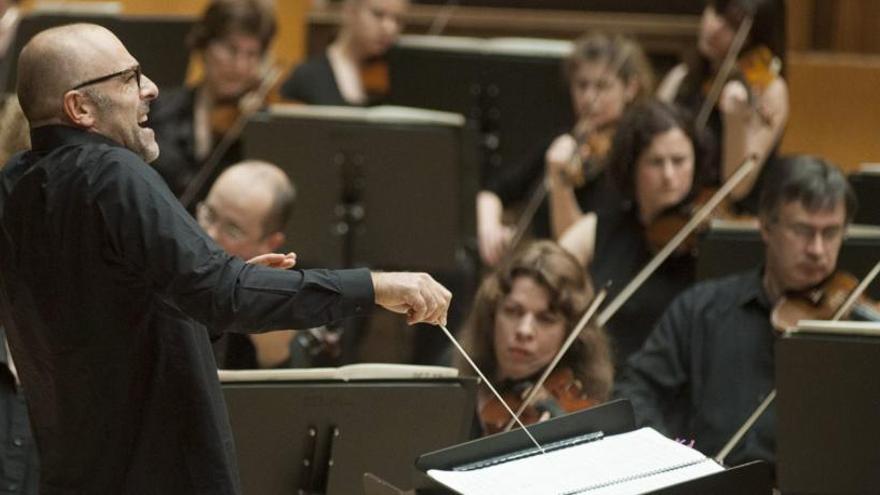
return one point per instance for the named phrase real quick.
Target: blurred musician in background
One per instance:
(750, 115)
(655, 165)
(246, 212)
(709, 361)
(522, 314)
(351, 71)
(599, 99)
(231, 39)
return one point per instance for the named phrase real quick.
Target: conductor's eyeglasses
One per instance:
(131, 73)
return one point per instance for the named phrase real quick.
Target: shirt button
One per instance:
(17, 442)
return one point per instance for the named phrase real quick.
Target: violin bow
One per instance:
(582, 323)
(542, 188)
(698, 217)
(723, 73)
(273, 73)
(747, 425)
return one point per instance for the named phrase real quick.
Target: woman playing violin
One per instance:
(750, 114)
(520, 318)
(231, 39)
(654, 163)
(605, 75)
(351, 71)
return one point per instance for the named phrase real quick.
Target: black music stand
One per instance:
(828, 434)
(516, 95)
(320, 437)
(866, 185)
(610, 418)
(382, 187)
(147, 38)
(731, 247)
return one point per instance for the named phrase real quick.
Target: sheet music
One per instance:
(629, 463)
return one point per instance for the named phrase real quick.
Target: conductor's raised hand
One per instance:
(417, 295)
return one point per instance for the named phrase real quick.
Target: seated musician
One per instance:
(246, 211)
(522, 314)
(709, 362)
(605, 75)
(750, 114)
(654, 164)
(231, 39)
(350, 72)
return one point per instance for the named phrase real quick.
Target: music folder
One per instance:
(591, 452)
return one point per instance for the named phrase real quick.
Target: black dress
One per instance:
(621, 252)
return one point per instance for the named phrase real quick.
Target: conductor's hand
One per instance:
(417, 295)
(275, 260)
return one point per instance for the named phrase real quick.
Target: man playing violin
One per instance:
(709, 361)
(231, 39)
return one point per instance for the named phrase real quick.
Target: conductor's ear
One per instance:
(80, 109)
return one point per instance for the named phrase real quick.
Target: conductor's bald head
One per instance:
(82, 76)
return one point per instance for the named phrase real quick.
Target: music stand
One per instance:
(383, 187)
(146, 37)
(866, 185)
(512, 89)
(611, 418)
(827, 409)
(733, 246)
(321, 436)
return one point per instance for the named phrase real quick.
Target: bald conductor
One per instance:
(108, 286)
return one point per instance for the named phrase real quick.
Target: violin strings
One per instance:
(489, 384)
(588, 315)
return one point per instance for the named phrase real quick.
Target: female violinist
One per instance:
(351, 71)
(231, 38)
(751, 112)
(520, 318)
(605, 75)
(654, 162)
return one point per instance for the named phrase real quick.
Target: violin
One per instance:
(668, 223)
(375, 78)
(580, 171)
(756, 68)
(823, 303)
(561, 393)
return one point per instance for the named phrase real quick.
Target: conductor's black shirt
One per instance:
(110, 285)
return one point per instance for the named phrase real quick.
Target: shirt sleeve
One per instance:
(155, 242)
(655, 376)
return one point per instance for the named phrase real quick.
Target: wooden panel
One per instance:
(834, 102)
(668, 35)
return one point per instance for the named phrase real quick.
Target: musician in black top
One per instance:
(709, 361)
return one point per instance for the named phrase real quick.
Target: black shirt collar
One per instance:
(751, 289)
(49, 137)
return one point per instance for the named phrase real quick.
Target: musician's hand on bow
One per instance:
(417, 295)
(563, 160)
(275, 260)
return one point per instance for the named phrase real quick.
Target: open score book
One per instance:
(635, 462)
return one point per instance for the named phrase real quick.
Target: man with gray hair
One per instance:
(107, 282)
(709, 361)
